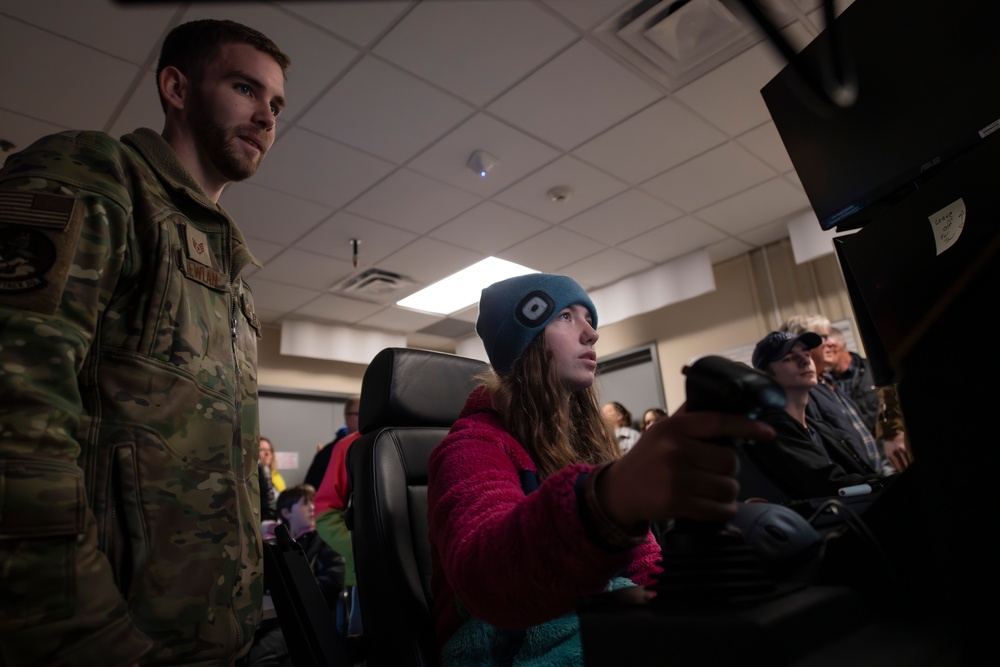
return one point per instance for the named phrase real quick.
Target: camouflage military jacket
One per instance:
(129, 522)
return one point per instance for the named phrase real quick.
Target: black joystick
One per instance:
(705, 562)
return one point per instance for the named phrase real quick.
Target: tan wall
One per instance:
(286, 372)
(754, 294)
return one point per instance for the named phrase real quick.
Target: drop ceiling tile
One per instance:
(409, 200)
(729, 96)
(271, 215)
(68, 94)
(765, 234)
(478, 49)
(333, 308)
(376, 240)
(98, 25)
(590, 186)
(305, 269)
(774, 200)
(672, 240)
(22, 131)
(605, 267)
(517, 155)
(577, 95)
(318, 169)
(262, 250)
(551, 250)
(384, 111)
(470, 314)
(304, 43)
(587, 13)
(489, 228)
(141, 109)
(427, 261)
(279, 298)
(727, 249)
(652, 141)
(357, 22)
(622, 217)
(765, 143)
(400, 320)
(709, 178)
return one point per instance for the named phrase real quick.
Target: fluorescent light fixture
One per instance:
(462, 289)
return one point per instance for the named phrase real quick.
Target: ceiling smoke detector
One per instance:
(482, 162)
(560, 193)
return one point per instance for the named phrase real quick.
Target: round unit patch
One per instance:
(26, 255)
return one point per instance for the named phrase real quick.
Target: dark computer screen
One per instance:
(925, 77)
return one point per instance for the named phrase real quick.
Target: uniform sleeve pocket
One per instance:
(41, 517)
(40, 499)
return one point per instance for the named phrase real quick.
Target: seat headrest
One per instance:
(410, 387)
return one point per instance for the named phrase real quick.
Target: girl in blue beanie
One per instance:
(532, 506)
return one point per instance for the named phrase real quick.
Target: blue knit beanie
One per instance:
(513, 312)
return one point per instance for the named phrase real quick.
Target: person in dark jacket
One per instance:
(296, 512)
(829, 403)
(807, 458)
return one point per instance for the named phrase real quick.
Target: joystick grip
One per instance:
(703, 561)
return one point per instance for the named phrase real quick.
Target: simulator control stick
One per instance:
(710, 563)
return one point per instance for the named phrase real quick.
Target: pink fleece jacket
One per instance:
(514, 560)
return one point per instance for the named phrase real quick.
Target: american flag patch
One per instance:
(36, 209)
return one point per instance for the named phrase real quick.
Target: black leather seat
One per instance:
(409, 400)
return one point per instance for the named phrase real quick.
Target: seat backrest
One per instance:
(409, 401)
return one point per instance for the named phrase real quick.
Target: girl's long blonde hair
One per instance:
(530, 403)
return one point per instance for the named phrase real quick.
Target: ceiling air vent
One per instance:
(677, 41)
(374, 284)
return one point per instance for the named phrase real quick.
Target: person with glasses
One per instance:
(317, 468)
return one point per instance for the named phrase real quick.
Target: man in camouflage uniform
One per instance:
(129, 505)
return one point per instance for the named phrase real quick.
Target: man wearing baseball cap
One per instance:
(807, 458)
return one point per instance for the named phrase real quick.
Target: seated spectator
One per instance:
(531, 503)
(853, 376)
(296, 512)
(621, 420)
(267, 459)
(331, 505)
(807, 458)
(268, 497)
(831, 405)
(651, 416)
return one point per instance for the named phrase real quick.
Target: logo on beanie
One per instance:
(533, 308)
